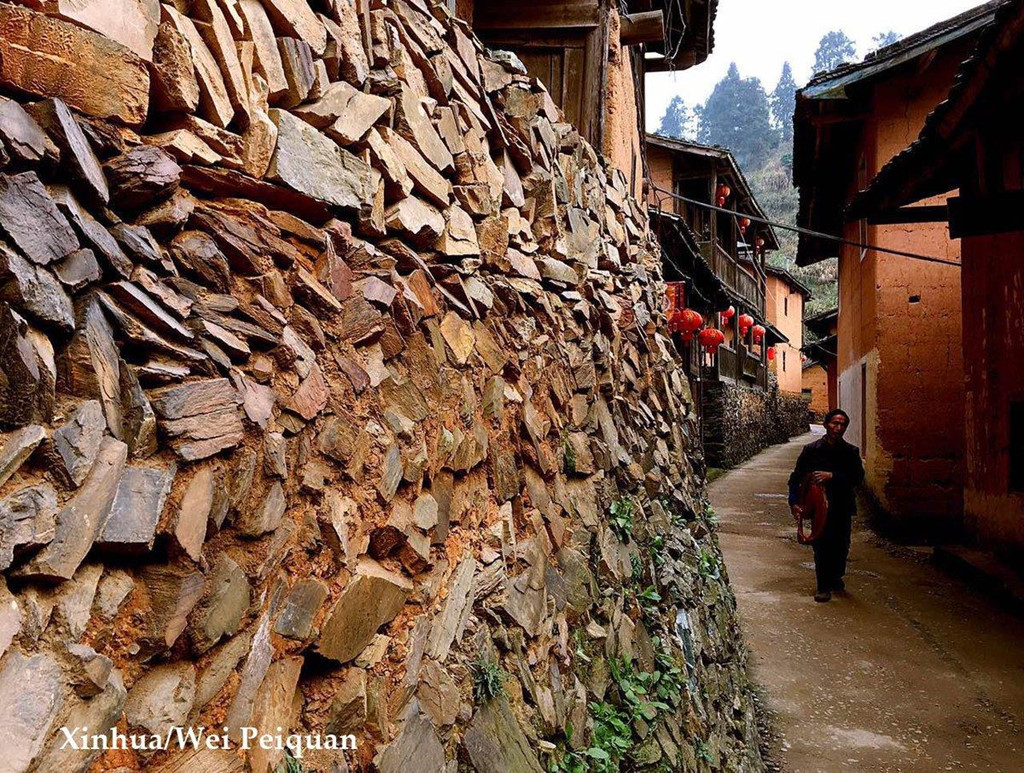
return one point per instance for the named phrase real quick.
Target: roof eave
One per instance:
(723, 154)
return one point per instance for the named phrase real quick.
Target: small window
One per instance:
(785, 306)
(783, 359)
(1017, 445)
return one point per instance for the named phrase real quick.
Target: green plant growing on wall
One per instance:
(637, 565)
(669, 679)
(657, 550)
(593, 759)
(638, 691)
(710, 515)
(648, 599)
(674, 511)
(621, 518)
(613, 737)
(290, 765)
(638, 696)
(568, 455)
(708, 566)
(703, 754)
(571, 762)
(488, 680)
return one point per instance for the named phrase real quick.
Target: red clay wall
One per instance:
(659, 164)
(993, 297)
(856, 347)
(833, 384)
(789, 319)
(815, 379)
(900, 329)
(621, 128)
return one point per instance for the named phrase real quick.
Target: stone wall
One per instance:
(334, 400)
(739, 422)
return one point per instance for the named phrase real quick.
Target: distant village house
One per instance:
(820, 368)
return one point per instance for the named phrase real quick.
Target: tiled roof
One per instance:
(902, 180)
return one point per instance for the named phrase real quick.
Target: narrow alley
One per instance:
(909, 671)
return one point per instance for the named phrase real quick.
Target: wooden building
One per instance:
(820, 371)
(785, 296)
(718, 258)
(899, 327)
(973, 145)
(719, 262)
(592, 56)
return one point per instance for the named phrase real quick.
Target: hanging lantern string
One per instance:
(816, 234)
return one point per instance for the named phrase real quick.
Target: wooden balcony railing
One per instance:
(734, 276)
(740, 366)
(727, 360)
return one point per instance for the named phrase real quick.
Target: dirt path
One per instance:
(911, 671)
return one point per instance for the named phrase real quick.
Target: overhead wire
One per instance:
(811, 232)
(675, 265)
(693, 289)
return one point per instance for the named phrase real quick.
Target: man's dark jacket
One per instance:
(841, 459)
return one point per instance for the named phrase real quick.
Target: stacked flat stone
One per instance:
(323, 356)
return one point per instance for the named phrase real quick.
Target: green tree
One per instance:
(736, 116)
(678, 120)
(883, 39)
(835, 48)
(783, 103)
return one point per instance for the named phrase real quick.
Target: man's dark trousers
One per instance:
(831, 550)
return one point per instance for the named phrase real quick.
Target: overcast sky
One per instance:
(759, 35)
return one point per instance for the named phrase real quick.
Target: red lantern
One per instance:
(729, 313)
(723, 191)
(744, 223)
(721, 201)
(689, 322)
(803, 358)
(758, 334)
(760, 244)
(771, 353)
(711, 338)
(746, 321)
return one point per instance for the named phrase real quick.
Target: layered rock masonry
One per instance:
(335, 399)
(740, 422)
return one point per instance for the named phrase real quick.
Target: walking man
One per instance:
(835, 464)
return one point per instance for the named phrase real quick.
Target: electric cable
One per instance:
(810, 232)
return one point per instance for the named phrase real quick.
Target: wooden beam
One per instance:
(646, 27)
(995, 214)
(927, 214)
(491, 15)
